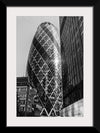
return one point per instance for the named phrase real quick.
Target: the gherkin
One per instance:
(44, 69)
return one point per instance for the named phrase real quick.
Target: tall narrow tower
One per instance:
(71, 34)
(44, 69)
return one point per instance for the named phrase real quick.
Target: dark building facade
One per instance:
(44, 70)
(22, 87)
(71, 36)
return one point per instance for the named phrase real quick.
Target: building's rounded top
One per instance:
(48, 29)
(47, 24)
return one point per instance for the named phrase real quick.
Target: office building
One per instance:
(22, 87)
(44, 70)
(71, 36)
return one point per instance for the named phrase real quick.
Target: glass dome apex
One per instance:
(47, 24)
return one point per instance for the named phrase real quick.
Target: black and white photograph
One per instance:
(49, 80)
(49, 68)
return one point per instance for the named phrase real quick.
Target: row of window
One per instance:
(73, 48)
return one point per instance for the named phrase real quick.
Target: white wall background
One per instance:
(26, 27)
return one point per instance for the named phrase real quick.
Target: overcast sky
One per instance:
(26, 28)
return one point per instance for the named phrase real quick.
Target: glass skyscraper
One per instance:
(71, 36)
(44, 72)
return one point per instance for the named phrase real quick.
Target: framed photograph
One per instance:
(50, 64)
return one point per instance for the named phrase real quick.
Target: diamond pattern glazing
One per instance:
(44, 69)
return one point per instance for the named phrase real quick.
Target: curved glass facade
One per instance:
(44, 70)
